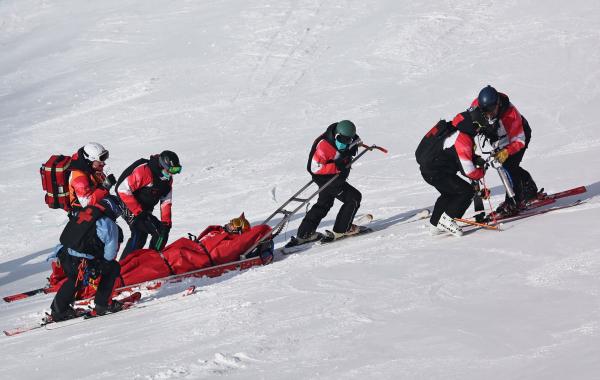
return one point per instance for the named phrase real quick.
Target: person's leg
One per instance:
(456, 196)
(110, 272)
(516, 173)
(316, 213)
(137, 240)
(351, 198)
(61, 305)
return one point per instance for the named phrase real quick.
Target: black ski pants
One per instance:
(139, 235)
(66, 294)
(341, 190)
(455, 198)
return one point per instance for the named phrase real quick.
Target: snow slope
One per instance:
(239, 89)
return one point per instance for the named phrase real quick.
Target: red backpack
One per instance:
(55, 181)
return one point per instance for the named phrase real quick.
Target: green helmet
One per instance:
(346, 128)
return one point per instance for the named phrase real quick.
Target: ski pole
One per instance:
(489, 198)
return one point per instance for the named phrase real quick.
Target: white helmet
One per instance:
(95, 152)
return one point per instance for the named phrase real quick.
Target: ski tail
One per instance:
(27, 294)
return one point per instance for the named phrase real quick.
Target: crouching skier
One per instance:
(511, 132)
(330, 155)
(446, 149)
(88, 249)
(141, 187)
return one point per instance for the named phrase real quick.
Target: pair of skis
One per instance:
(362, 222)
(129, 302)
(533, 208)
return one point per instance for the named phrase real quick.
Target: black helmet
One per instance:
(170, 162)
(112, 206)
(488, 98)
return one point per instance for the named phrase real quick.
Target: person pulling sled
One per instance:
(330, 155)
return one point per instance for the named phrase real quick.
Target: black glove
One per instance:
(478, 119)
(139, 219)
(341, 163)
(478, 161)
(147, 223)
(491, 132)
(159, 241)
(343, 160)
(109, 181)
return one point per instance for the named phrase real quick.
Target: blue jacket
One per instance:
(108, 232)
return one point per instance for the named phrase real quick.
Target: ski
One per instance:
(329, 236)
(127, 302)
(544, 200)
(293, 246)
(82, 315)
(27, 294)
(529, 213)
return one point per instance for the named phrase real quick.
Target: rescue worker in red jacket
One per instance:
(88, 184)
(510, 131)
(457, 155)
(142, 186)
(330, 155)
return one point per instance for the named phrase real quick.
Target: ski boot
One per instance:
(100, 310)
(449, 225)
(294, 241)
(330, 236)
(56, 316)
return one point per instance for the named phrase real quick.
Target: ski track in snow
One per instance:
(240, 89)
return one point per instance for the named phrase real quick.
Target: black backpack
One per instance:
(432, 143)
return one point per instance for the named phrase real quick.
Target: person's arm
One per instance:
(139, 177)
(464, 150)
(108, 232)
(513, 124)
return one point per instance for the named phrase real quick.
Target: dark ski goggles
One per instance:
(344, 139)
(103, 156)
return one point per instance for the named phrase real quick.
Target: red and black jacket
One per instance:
(323, 154)
(512, 128)
(140, 187)
(458, 152)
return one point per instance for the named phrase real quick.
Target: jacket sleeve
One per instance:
(322, 159)
(139, 177)
(108, 232)
(165, 208)
(86, 194)
(513, 124)
(464, 150)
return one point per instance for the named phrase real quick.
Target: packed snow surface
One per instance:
(240, 89)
